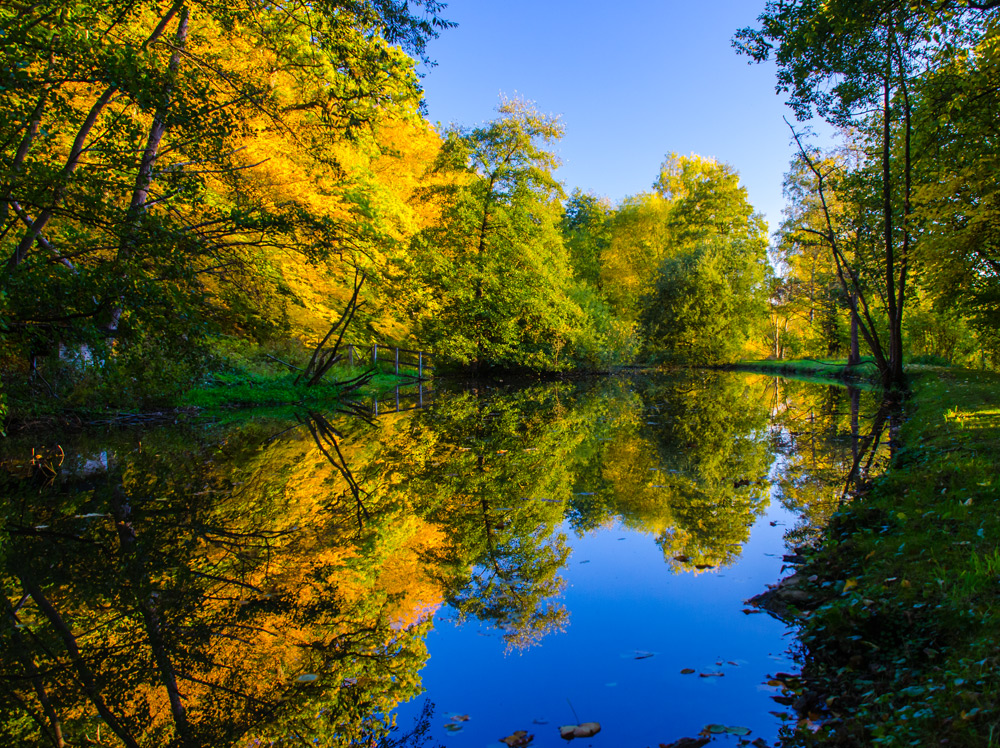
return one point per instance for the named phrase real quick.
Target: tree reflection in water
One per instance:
(260, 583)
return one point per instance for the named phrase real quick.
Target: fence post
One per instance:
(397, 398)
(397, 371)
(350, 355)
(374, 353)
(420, 364)
(421, 390)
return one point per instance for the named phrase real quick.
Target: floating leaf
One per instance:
(687, 671)
(725, 730)
(587, 730)
(687, 743)
(711, 675)
(518, 739)
(452, 727)
(583, 730)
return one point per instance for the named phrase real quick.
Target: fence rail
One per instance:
(401, 401)
(399, 357)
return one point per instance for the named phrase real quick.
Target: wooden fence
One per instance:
(375, 354)
(413, 397)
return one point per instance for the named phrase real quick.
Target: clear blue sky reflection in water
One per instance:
(632, 80)
(623, 603)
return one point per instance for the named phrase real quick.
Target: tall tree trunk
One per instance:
(854, 357)
(144, 177)
(889, 377)
(480, 260)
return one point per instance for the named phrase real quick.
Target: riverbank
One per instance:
(240, 377)
(901, 640)
(811, 369)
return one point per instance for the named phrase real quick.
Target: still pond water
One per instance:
(502, 559)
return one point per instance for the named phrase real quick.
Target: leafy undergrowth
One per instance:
(241, 390)
(908, 650)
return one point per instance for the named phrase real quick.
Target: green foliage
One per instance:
(491, 275)
(586, 231)
(708, 303)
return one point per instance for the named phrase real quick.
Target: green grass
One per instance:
(836, 367)
(864, 375)
(909, 654)
(244, 389)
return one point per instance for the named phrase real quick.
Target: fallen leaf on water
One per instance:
(687, 671)
(702, 567)
(751, 611)
(681, 559)
(452, 727)
(711, 675)
(459, 717)
(583, 730)
(518, 739)
(687, 743)
(725, 730)
(636, 654)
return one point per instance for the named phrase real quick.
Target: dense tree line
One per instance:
(182, 180)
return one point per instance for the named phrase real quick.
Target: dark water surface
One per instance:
(501, 560)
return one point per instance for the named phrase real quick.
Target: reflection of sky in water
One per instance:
(623, 603)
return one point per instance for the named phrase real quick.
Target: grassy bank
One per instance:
(902, 641)
(239, 390)
(813, 368)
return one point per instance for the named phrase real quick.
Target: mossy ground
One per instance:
(907, 651)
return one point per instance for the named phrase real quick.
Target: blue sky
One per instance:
(632, 81)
